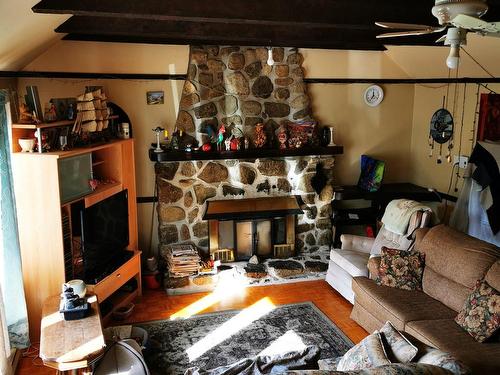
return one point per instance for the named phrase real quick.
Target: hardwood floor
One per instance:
(156, 305)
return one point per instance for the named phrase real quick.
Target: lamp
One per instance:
(454, 57)
(455, 37)
(270, 60)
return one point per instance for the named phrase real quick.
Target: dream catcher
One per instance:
(441, 131)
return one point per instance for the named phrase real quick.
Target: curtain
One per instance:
(13, 311)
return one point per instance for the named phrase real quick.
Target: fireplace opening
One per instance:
(252, 237)
(242, 228)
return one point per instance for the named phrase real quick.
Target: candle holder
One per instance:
(332, 142)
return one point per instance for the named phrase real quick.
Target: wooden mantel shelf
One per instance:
(243, 154)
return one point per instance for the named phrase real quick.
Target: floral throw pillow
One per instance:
(401, 269)
(399, 348)
(368, 353)
(480, 316)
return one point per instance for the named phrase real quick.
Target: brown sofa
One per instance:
(453, 264)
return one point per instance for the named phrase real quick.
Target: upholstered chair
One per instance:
(352, 258)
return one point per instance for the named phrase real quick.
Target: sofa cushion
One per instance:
(366, 354)
(354, 262)
(398, 347)
(396, 305)
(445, 360)
(447, 251)
(493, 275)
(480, 316)
(401, 269)
(448, 336)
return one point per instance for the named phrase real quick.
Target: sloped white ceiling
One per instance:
(430, 62)
(24, 34)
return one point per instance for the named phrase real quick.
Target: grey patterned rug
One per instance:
(216, 339)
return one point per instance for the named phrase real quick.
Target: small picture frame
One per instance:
(155, 97)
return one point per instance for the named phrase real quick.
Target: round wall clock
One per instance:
(374, 95)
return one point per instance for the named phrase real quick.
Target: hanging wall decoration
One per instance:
(489, 118)
(441, 131)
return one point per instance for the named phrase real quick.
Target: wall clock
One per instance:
(373, 95)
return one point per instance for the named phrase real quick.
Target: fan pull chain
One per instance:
(476, 114)
(455, 100)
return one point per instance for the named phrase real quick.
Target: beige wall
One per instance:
(383, 132)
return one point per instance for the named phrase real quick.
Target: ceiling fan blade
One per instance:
(405, 33)
(442, 39)
(403, 26)
(476, 24)
(495, 35)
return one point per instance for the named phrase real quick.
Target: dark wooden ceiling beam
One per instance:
(278, 12)
(216, 40)
(181, 32)
(218, 33)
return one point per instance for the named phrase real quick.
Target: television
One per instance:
(105, 236)
(74, 175)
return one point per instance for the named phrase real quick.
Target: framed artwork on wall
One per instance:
(489, 118)
(155, 97)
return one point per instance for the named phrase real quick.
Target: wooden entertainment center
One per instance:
(45, 225)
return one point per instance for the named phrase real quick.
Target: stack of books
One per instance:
(182, 260)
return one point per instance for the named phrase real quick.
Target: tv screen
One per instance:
(105, 235)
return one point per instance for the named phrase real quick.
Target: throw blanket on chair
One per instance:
(398, 213)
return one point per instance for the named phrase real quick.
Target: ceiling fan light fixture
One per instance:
(453, 59)
(446, 10)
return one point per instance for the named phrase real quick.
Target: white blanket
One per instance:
(398, 213)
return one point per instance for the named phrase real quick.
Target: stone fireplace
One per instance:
(234, 86)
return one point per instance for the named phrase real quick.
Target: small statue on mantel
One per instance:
(260, 136)
(220, 137)
(25, 117)
(282, 136)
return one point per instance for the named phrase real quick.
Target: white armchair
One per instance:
(351, 260)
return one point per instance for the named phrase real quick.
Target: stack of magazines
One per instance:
(182, 260)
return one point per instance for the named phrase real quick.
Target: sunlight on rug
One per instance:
(218, 339)
(231, 327)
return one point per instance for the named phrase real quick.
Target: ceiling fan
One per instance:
(458, 17)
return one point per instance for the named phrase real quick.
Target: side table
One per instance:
(68, 345)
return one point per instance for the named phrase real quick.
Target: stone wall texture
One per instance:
(184, 187)
(235, 86)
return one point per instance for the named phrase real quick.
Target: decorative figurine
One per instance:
(50, 114)
(25, 117)
(282, 137)
(235, 144)
(220, 137)
(227, 143)
(158, 130)
(174, 142)
(260, 136)
(71, 112)
(247, 143)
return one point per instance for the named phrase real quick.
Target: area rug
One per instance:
(211, 340)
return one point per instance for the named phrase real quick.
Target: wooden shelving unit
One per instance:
(47, 125)
(44, 221)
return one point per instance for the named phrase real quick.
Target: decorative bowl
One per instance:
(27, 144)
